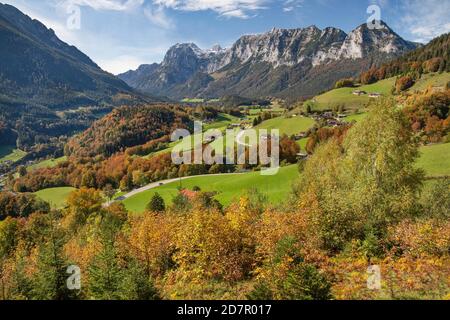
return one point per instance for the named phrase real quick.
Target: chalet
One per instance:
(301, 135)
(302, 155)
(328, 115)
(189, 194)
(359, 93)
(333, 123)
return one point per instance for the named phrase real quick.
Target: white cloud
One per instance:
(114, 5)
(425, 20)
(291, 5)
(121, 63)
(228, 8)
(381, 3)
(158, 17)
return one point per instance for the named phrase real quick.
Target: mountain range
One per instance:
(287, 63)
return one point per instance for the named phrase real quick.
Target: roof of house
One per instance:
(189, 193)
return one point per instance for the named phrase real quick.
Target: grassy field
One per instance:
(50, 163)
(222, 122)
(230, 187)
(346, 97)
(302, 143)
(431, 79)
(10, 153)
(356, 117)
(435, 160)
(287, 126)
(193, 100)
(56, 197)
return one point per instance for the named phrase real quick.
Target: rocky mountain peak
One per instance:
(300, 49)
(365, 40)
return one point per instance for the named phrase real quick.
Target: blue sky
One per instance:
(122, 34)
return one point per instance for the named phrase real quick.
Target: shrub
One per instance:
(344, 83)
(404, 83)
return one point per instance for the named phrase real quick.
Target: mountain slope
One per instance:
(38, 68)
(49, 89)
(433, 57)
(285, 63)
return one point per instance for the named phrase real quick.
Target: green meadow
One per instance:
(56, 197)
(345, 96)
(193, 100)
(288, 126)
(435, 160)
(356, 117)
(10, 153)
(229, 187)
(435, 80)
(49, 163)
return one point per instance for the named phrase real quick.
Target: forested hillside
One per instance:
(434, 57)
(49, 89)
(127, 127)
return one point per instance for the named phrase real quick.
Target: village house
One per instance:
(375, 95)
(302, 155)
(301, 135)
(189, 194)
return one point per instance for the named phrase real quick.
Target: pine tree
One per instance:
(136, 284)
(156, 204)
(50, 281)
(104, 271)
(21, 287)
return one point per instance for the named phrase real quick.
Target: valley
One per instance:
(88, 181)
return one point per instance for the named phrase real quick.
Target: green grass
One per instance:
(230, 187)
(435, 160)
(346, 97)
(431, 79)
(287, 126)
(50, 163)
(356, 117)
(193, 100)
(10, 153)
(56, 197)
(302, 143)
(222, 122)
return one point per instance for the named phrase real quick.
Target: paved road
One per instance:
(162, 183)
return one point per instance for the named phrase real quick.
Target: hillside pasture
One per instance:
(435, 160)
(10, 153)
(56, 197)
(229, 187)
(287, 126)
(345, 96)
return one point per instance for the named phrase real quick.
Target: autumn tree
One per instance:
(368, 182)
(81, 204)
(404, 83)
(109, 191)
(289, 149)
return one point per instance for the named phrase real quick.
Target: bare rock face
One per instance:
(283, 57)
